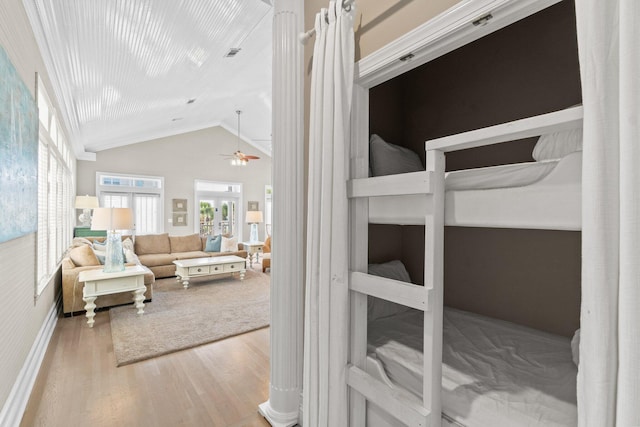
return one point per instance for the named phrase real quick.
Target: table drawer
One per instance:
(214, 269)
(236, 266)
(203, 269)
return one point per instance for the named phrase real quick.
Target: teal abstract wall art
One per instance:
(18, 154)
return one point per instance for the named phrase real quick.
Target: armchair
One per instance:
(266, 255)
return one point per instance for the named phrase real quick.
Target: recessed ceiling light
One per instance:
(233, 52)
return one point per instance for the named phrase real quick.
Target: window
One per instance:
(56, 174)
(143, 194)
(218, 208)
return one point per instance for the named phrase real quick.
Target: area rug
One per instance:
(211, 308)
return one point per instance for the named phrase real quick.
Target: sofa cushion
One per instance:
(152, 244)
(152, 260)
(213, 243)
(83, 256)
(185, 243)
(240, 253)
(191, 254)
(229, 244)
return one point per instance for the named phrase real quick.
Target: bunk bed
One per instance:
(415, 375)
(538, 195)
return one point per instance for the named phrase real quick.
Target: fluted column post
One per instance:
(287, 280)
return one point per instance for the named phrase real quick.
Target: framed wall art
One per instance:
(179, 205)
(18, 154)
(179, 219)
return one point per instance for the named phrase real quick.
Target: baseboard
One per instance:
(16, 403)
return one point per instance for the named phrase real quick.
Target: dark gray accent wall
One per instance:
(528, 68)
(530, 277)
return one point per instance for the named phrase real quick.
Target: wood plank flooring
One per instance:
(217, 384)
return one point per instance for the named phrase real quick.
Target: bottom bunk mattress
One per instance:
(494, 373)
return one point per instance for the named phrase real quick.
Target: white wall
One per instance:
(20, 317)
(182, 159)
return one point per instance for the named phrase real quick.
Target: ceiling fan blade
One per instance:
(251, 157)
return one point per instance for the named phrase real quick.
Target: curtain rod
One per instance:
(303, 37)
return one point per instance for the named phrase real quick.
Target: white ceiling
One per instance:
(124, 70)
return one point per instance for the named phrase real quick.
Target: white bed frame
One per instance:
(424, 202)
(419, 198)
(553, 203)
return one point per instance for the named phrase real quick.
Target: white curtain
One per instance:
(326, 308)
(609, 371)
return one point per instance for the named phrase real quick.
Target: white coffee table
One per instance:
(97, 283)
(211, 266)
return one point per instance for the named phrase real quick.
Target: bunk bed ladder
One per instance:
(363, 387)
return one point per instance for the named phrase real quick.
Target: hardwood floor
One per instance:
(217, 384)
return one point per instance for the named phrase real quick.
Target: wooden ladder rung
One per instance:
(400, 404)
(390, 185)
(407, 294)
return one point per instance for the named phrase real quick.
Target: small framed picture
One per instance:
(179, 219)
(179, 205)
(253, 206)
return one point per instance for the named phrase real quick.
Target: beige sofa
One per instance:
(154, 251)
(158, 251)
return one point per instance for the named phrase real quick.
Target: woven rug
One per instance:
(211, 308)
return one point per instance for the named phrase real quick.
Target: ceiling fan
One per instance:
(239, 158)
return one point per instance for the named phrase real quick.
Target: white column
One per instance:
(287, 280)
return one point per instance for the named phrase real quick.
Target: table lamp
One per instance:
(253, 218)
(113, 220)
(86, 203)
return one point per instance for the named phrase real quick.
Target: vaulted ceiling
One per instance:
(127, 71)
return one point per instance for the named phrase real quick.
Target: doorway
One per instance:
(217, 208)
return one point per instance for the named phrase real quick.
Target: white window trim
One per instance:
(61, 151)
(132, 189)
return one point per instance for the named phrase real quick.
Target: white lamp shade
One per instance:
(112, 219)
(253, 217)
(86, 202)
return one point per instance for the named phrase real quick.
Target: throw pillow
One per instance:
(379, 308)
(229, 244)
(553, 146)
(391, 159)
(79, 241)
(100, 250)
(214, 243)
(575, 347)
(127, 244)
(83, 256)
(130, 257)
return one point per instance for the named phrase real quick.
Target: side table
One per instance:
(97, 283)
(253, 248)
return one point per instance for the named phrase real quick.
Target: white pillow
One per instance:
(131, 257)
(378, 308)
(575, 347)
(127, 244)
(390, 159)
(553, 146)
(229, 244)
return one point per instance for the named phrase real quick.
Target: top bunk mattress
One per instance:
(542, 195)
(494, 373)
